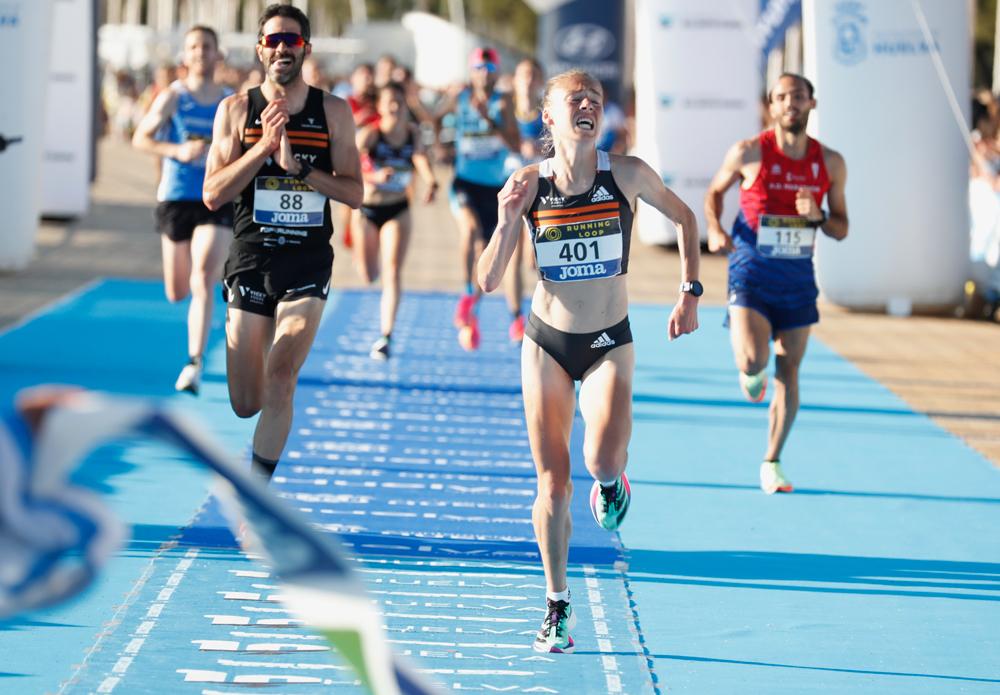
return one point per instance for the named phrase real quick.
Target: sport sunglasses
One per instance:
(290, 39)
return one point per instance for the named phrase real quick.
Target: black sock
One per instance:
(196, 361)
(262, 466)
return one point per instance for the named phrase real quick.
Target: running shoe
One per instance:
(754, 386)
(553, 635)
(464, 308)
(772, 479)
(516, 330)
(468, 335)
(610, 504)
(380, 349)
(189, 379)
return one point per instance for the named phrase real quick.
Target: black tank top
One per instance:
(400, 158)
(580, 237)
(277, 209)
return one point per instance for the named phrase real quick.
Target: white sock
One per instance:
(558, 595)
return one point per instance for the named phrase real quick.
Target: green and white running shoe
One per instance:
(754, 386)
(772, 479)
(610, 504)
(553, 635)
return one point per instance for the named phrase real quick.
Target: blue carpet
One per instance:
(880, 574)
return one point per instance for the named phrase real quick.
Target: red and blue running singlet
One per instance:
(772, 244)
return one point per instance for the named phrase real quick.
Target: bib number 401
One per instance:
(578, 251)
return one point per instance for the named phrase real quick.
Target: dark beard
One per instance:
(292, 74)
(798, 125)
(795, 127)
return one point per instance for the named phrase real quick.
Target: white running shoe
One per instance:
(754, 386)
(772, 479)
(380, 349)
(189, 379)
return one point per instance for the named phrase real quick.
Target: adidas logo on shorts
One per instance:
(603, 340)
(601, 195)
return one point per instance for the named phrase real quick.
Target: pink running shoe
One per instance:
(463, 310)
(516, 330)
(468, 335)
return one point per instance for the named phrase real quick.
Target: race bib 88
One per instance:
(287, 202)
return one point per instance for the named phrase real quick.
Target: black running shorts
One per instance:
(176, 219)
(256, 279)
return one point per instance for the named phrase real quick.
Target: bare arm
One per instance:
(447, 103)
(727, 175)
(513, 201)
(229, 169)
(507, 127)
(423, 166)
(649, 188)
(836, 224)
(344, 183)
(364, 140)
(159, 114)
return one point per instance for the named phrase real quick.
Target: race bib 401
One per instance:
(573, 249)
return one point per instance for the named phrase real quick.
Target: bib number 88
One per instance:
(291, 201)
(577, 251)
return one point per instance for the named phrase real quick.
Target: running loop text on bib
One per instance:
(569, 251)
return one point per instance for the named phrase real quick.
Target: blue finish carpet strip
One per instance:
(880, 574)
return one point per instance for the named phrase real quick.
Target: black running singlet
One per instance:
(277, 209)
(580, 237)
(383, 154)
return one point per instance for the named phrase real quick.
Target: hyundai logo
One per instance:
(580, 42)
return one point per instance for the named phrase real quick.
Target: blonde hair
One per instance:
(556, 82)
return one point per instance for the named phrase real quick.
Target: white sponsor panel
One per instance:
(907, 163)
(69, 126)
(24, 31)
(697, 81)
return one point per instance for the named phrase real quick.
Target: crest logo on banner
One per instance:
(10, 14)
(850, 47)
(584, 42)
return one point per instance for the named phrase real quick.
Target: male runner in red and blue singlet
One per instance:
(784, 177)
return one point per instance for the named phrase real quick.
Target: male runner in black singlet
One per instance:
(281, 151)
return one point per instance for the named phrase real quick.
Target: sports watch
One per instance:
(694, 288)
(304, 169)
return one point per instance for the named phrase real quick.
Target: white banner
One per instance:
(697, 85)
(24, 34)
(69, 126)
(883, 105)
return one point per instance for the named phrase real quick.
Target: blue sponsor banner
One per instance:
(586, 35)
(776, 16)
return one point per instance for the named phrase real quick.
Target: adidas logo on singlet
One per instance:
(603, 340)
(601, 195)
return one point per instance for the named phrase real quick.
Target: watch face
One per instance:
(694, 288)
